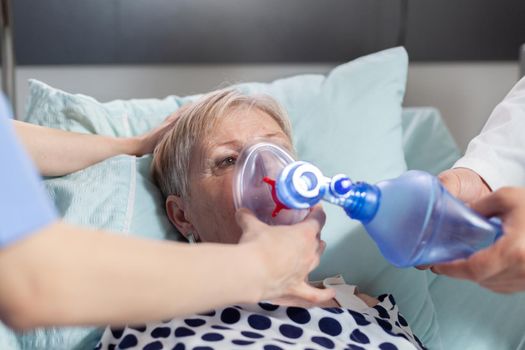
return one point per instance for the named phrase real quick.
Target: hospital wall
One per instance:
(465, 93)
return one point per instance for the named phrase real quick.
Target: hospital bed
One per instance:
(444, 313)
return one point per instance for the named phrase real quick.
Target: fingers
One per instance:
(423, 267)
(313, 295)
(497, 203)
(464, 184)
(314, 221)
(490, 273)
(500, 267)
(478, 267)
(451, 181)
(300, 246)
(508, 281)
(507, 285)
(318, 205)
(457, 269)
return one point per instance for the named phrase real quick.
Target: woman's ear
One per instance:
(178, 215)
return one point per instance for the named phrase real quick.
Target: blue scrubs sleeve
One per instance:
(24, 204)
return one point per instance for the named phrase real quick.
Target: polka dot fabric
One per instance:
(272, 327)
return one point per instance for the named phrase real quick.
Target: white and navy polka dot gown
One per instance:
(272, 327)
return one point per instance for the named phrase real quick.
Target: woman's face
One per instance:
(210, 207)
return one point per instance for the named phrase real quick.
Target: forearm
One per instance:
(57, 152)
(73, 276)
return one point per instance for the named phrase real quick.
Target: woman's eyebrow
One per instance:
(262, 137)
(227, 143)
(276, 134)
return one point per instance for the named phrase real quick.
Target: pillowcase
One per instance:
(346, 122)
(117, 194)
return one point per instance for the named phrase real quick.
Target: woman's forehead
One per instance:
(240, 126)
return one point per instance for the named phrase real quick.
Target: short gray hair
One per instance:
(172, 156)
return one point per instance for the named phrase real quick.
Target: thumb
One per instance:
(314, 221)
(495, 204)
(313, 295)
(450, 181)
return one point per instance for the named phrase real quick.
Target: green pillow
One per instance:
(348, 121)
(427, 143)
(116, 194)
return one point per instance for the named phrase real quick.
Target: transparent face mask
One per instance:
(256, 169)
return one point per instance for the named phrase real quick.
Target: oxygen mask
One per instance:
(256, 170)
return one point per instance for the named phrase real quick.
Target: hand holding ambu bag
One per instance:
(501, 267)
(464, 184)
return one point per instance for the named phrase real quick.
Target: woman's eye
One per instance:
(226, 162)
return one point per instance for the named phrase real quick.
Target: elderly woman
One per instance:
(193, 166)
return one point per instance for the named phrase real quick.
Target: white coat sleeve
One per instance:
(497, 154)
